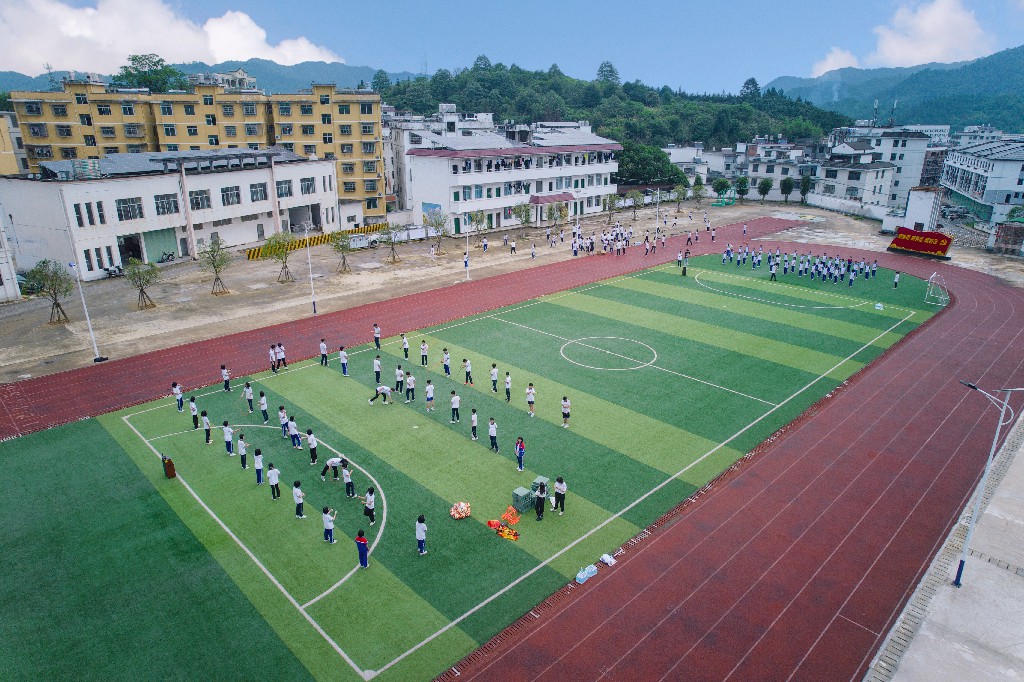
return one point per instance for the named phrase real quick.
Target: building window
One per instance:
(258, 191)
(100, 214)
(128, 108)
(854, 175)
(308, 130)
(229, 131)
(328, 138)
(785, 170)
(307, 185)
(129, 209)
(110, 255)
(289, 146)
(190, 109)
(286, 128)
(349, 186)
(166, 109)
(230, 196)
(78, 215)
(284, 188)
(166, 204)
(309, 149)
(900, 157)
(170, 147)
(892, 157)
(213, 140)
(88, 212)
(369, 166)
(305, 109)
(252, 129)
(348, 168)
(81, 98)
(59, 109)
(136, 148)
(88, 260)
(829, 189)
(254, 145)
(284, 108)
(369, 147)
(170, 130)
(346, 149)
(103, 109)
(199, 199)
(211, 119)
(371, 203)
(62, 131)
(325, 119)
(111, 150)
(345, 129)
(769, 169)
(896, 183)
(208, 100)
(371, 186)
(831, 173)
(366, 128)
(193, 131)
(68, 153)
(248, 108)
(343, 109)
(227, 109)
(85, 119)
(366, 107)
(37, 129)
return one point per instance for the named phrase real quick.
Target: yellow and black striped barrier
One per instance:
(316, 240)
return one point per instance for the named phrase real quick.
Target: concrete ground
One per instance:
(976, 632)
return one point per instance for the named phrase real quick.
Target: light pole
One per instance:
(96, 357)
(1003, 406)
(309, 261)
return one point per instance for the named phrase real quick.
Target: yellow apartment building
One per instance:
(89, 120)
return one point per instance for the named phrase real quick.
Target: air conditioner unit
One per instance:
(278, 137)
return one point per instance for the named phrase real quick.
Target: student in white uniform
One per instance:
(410, 387)
(333, 463)
(382, 392)
(494, 378)
(472, 423)
(311, 439)
(565, 412)
(297, 496)
(531, 397)
(508, 387)
(421, 535)
(247, 395)
(329, 525)
(343, 359)
(429, 390)
(179, 399)
(492, 431)
(229, 434)
(323, 352)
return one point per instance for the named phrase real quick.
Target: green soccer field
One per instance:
(671, 379)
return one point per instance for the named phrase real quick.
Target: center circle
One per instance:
(608, 353)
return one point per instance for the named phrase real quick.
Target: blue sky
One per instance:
(695, 46)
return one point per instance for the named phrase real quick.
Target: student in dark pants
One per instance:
(540, 500)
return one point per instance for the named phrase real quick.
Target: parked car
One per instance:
(27, 288)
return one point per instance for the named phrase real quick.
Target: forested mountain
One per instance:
(623, 111)
(987, 90)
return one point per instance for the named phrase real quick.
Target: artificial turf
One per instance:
(672, 379)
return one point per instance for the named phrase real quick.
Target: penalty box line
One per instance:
(294, 602)
(633, 504)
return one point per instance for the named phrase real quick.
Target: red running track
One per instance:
(792, 568)
(796, 566)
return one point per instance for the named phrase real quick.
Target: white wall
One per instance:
(876, 212)
(9, 290)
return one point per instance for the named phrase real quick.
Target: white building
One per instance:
(986, 178)
(9, 290)
(690, 160)
(938, 135)
(904, 148)
(851, 181)
(921, 212)
(976, 134)
(462, 163)
(102, 212)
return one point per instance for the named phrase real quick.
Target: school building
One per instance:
(99, 213)
(461, 163)
(91, 120)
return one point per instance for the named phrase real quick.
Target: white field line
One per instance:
(633, 504)
(301, 609)
(696, 278)
(624, 357)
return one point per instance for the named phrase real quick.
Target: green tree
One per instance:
(610, 201)
(381, 82)
(720, 186)
(637, 199)
(681, 191)
(141, 275)
(442, 85)
(764, 185)
(436, 222)
(786, 187)
(51, 279)
(557, 212)
(215, 258)
(341, 242)
(278, 247)
(607, 73)
(805, 188)
(390, 236)
(750, 89)
(150, 71)
(641, 164)
(742, 187)
(478, 220)
(5, 102)
(698, 189)
(524, 214)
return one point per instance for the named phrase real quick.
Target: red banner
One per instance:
(934, 244)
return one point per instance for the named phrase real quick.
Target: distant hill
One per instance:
(987, 90)
(269, 76)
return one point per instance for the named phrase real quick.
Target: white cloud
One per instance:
(837, 58)
(100, 38)
(937, 31)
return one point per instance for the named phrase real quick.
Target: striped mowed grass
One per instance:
(671, 380)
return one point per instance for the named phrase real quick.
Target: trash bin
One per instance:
(168, 467)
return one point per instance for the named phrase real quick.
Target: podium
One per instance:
(522, 499)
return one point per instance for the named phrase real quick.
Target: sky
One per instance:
(698, 47)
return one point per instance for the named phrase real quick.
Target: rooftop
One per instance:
(148, 163)
(996, 150)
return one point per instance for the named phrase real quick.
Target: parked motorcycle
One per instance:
(166, 257)
(114, 271)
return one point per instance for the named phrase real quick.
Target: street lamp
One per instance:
(96, 357)
(309, 261)
(1003, 406)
